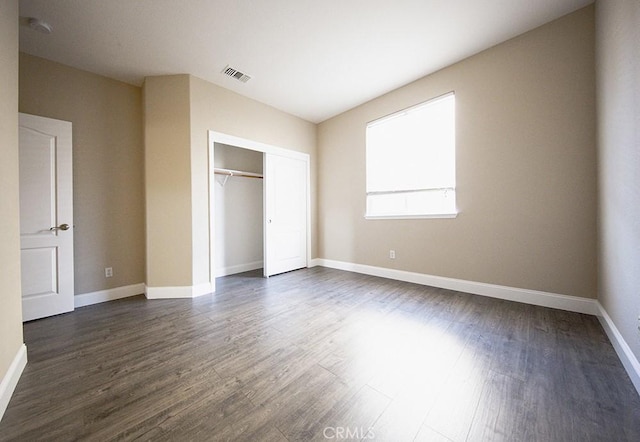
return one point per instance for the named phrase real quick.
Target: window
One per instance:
(411, 162)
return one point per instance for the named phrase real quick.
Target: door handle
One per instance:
(60, 227)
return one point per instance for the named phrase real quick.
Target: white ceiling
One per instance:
(311, 58)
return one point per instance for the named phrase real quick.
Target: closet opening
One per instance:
(259, 207)
(239, 209)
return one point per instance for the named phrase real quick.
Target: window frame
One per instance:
(442, 215)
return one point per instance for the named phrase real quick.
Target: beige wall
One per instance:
(526, 169)
(168, 181)
(179, 112)
(10, 299)
(108, 193)
(618, 74)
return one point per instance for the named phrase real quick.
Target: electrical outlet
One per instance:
(392, 254)
(108, 272)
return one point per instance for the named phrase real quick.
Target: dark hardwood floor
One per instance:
(321, 354)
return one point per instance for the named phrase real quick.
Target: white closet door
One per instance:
(285, 190)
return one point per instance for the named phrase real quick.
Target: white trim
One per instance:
(91, 298)
(434, 216)
(182, 292)
(167, 292)
(534, 297)
(201, 289)
(232, 270)
(219, 137)
(211, 140)
(628, 359)
(11, 378)
(308, 160)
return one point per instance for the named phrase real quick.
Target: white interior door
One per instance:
(46, 216)
(285, 189)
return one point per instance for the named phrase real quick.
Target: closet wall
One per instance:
(238, 211)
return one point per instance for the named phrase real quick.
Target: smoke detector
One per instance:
(234, 73)
(40, 26)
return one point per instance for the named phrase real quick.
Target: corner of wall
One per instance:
(618, 117)
(11, 364)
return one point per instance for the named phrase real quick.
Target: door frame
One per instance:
(231, 140)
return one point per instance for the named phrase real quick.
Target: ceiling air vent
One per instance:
(234, 73)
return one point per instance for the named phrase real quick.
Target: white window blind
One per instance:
(411, 161)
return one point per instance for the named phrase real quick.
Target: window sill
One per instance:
(433, 216)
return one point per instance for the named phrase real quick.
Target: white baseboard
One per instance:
(232, 270)
(10, 379)
(187, 291)
(526, 296)
(629, 360)
(91, 298)
(201, 289)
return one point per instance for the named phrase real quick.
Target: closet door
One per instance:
(285, 205)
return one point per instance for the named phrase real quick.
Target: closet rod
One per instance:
(231, 172)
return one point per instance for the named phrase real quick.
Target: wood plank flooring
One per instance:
(321, 354)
